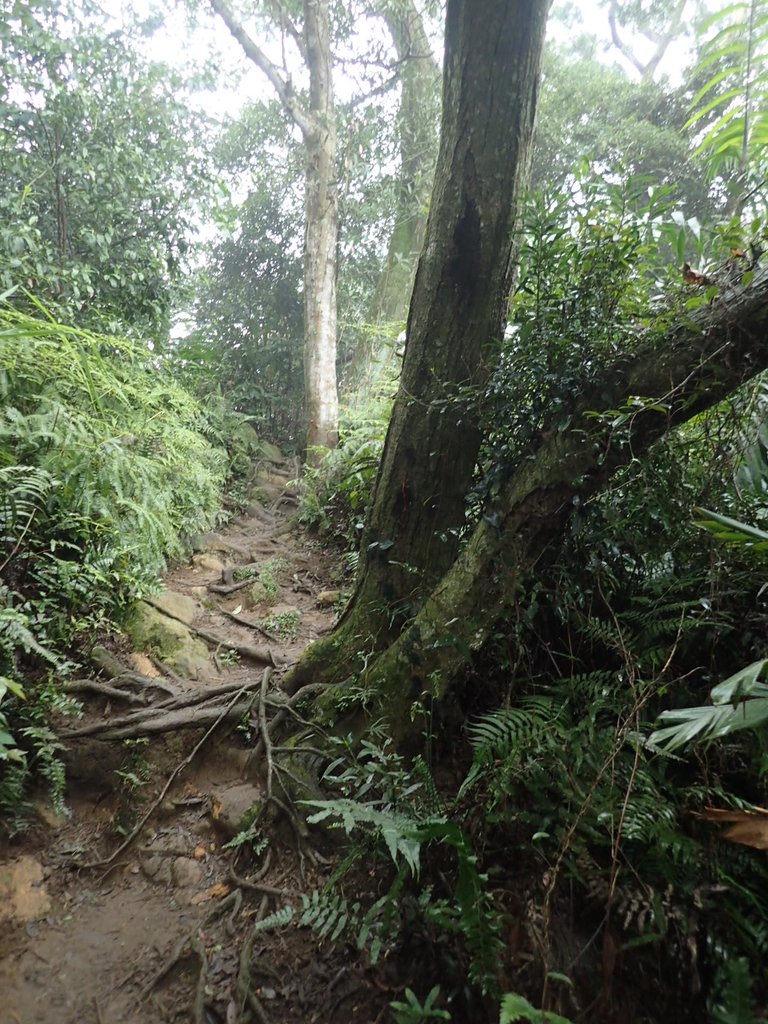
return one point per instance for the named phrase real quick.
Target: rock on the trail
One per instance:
(172, 641)
(208, 562)
(156, 869)
(23, 896)
(141, 663)
(178, 606)
(270, 452)
(186, 872)
(233, 806)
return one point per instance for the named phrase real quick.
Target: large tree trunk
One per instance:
(458, 308)
(321, 237)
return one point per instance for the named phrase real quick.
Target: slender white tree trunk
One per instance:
(318, 128)
(321, 236)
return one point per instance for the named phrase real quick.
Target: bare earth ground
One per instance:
(153, 933)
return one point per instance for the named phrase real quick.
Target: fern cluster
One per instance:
(104, 471)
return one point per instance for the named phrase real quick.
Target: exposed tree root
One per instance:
(233, 900)
(223, 714)
(230, 588)
(250, 625)
(102, 690)
(262, 654)
(114, 670)
(175, 713)
(198, 1007)
(188, 718)
(257, 511)
(228, 574)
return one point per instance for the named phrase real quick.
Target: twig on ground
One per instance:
(250, 625)
(243, 991)
(284, 707)
(178, 950)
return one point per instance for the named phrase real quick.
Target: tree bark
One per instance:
(696, 365)
(458, 309)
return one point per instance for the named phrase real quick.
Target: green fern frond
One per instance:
(279, 919)
(515, 1007)
(504, 734)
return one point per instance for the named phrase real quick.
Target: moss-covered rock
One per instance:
(270, 452)
(150, 630)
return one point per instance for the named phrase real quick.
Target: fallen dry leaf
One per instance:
(200, 853)
(217, 891)
(747, 828)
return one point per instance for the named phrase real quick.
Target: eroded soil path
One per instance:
(130, 907)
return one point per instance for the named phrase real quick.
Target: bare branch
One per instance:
(662, 39)
(287, 26)
(281, 85)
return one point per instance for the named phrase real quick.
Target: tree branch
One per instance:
(282, 86)
(662, 40)
(287, 25)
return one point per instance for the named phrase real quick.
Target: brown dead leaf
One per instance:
(200, 853)
(747, 828)
(217, 891)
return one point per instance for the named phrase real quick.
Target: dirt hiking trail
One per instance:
(129, 908)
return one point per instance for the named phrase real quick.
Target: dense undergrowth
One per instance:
(107, 466)
(550, 843)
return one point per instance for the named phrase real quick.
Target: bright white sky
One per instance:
(176, 43)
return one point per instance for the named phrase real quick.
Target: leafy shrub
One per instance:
(335, 494)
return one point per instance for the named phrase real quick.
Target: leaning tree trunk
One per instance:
(463, 280)
(417, 141)
(689, 370)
